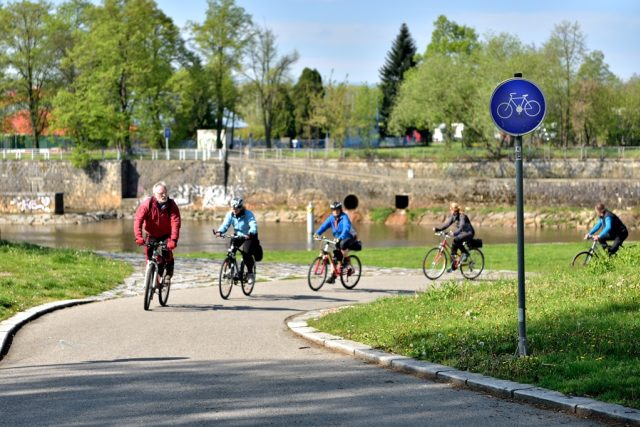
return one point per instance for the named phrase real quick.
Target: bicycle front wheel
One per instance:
(581, 259)
(225, 279)
(317, 273)
(247, 287)
(163, 292)
(350, 276)
(434, 263)
(149, 277)
(474, 264)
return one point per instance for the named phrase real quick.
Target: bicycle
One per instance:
(530, 108)
(155, 275)
(230, 273)
(583, 258)
(349, 270)
(436, 260)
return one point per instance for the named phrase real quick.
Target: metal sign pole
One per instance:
(523, 349)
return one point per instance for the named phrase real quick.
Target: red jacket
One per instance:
(157, 223)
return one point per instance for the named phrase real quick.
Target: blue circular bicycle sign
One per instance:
(517, 106)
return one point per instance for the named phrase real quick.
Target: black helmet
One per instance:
(237, 203)
(335, 205)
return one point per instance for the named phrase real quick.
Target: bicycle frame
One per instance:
(325, 253)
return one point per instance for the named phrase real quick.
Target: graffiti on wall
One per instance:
(212, 196)
(32, 204)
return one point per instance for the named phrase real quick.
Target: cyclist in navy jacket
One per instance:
(244, 225)
(342, 230)
(463, 233)
(612, 229)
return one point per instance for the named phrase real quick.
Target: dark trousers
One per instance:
(458, 241)
(617, 241)
(248, 250)
(167, 254)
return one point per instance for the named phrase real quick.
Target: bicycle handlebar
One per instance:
(324, 239)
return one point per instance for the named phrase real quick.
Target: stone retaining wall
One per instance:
(291, 185)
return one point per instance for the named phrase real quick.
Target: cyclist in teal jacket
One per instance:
(245, 226)
(612, 229)
(342, 230)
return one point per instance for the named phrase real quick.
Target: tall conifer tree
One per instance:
(399, 59)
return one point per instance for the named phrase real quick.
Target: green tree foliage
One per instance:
(366, 103)
(564, 51)
(267, 75)
(331, 111)
(26, 50)
(124, 64)
(449, 38)
(223, 39)
(308, 87)
(192, 93)
(400, 58)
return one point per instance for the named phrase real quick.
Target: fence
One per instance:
(425, 153)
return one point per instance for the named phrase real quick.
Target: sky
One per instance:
(349, 39)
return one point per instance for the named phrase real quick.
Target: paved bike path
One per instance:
(203, 360)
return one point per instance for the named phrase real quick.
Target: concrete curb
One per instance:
(9, 327)
(580, 406)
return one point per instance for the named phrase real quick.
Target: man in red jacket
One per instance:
(161, 219)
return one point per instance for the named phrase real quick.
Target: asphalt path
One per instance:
(206, 361)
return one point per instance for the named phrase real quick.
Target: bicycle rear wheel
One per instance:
(149, 277)
(350, 276)
(317, 273)
(434, 263)
(581, 259)
(247, 287)
(474, 264)
(163, 292)
(225, 280)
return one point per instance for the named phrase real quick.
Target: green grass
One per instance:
(582, 327)
(31, 275)
(538, 257)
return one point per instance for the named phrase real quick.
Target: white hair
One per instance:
(159, 184)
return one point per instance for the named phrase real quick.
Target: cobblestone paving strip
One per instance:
(199, 272)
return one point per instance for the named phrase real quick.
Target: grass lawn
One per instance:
(582, 325)
(31, 275)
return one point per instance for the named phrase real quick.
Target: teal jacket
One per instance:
(243, 224)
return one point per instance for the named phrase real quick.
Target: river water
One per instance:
(117, 236)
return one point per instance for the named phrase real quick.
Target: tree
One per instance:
(308, 87)
(400, 58)
(592, 100)
(25, 43)
(267, 74)
(449, 38)
(565, 50)
(222, 39)
(124, 64)
(366, 104)
(330, 111)
(191, 94)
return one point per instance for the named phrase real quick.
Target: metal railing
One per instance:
(423, 153)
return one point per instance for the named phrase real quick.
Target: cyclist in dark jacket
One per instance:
(612, 229)
(464, 233)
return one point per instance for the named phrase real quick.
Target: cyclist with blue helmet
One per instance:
(245, 226)
(342, 230)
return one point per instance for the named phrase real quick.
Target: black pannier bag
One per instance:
(357, 246)
(475, 243)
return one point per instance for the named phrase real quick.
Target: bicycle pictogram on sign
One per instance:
(517, 106)
(530, 107)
